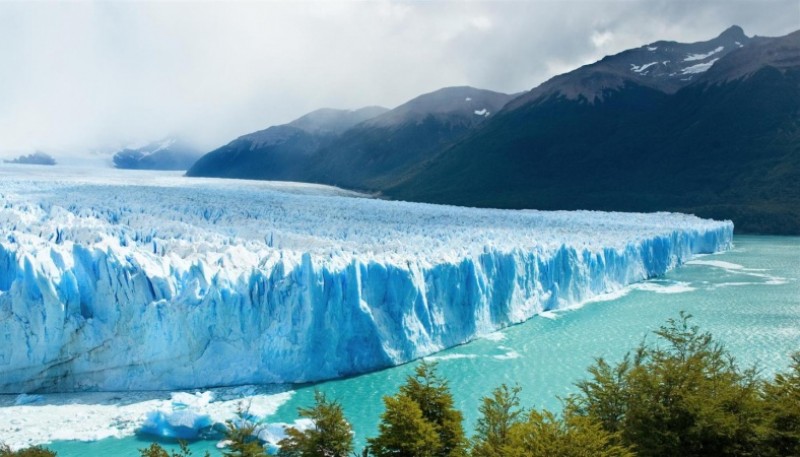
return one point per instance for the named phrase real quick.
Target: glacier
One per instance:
(123, 280)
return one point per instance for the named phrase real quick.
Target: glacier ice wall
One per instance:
(138, 282)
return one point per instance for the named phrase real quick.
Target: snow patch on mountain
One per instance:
(699, 68)
(693, 57)
(641, 68)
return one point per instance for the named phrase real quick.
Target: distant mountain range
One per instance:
(167, 154)
(362, 149)
(710, 128)
(36, 158)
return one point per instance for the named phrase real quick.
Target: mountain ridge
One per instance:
(710, 127)
(718, 147)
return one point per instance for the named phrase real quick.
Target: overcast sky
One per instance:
(80, 77)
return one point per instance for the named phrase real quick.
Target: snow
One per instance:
(482, 112)
(641, 68)
(699, 68)
(652, 48)
(693, 57)
(151, 281)
(468, 99)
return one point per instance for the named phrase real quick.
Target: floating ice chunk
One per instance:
(548, 315)
(96, 416)
(434, 358)
(509, 354)
(494, 336)
(182, 424)
(661, 288)
(717, 263)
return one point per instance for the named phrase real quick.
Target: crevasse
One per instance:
(108, 286)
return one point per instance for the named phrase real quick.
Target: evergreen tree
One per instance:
(404, 431)
(331, 435)
(432, 393)
(499, 413)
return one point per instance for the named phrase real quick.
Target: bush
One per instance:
(35, 451)
(688, 398)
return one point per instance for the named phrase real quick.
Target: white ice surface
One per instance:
(91, 417)
(115, 280)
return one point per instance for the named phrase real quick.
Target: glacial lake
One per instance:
(749, 298)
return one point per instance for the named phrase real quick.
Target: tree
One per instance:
(35, 451)
(432, 393)
(688, 398)
(404, 431)
(574, 436)
(782, 409)
(499, 413)
(331, 435)
(155, 450)
(241, 442)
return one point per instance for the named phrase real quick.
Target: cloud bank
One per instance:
(83, 77)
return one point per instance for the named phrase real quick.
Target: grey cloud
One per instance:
(75, 77)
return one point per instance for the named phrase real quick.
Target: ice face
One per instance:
(152, 281)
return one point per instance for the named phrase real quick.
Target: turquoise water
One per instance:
(749, 298)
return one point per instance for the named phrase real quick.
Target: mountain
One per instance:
(714, 131)
(362, 149)
(169, 154)
(665, 66)
(386, 147)
(37, 158)
(282, 152)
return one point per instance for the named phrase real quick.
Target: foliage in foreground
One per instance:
(156, 450)
(420, 420)
(687, 398)
(331, 435)
(504, 429)
(36, 451)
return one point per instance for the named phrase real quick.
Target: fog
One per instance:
(77, 79)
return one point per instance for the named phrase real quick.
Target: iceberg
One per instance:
(137, 281)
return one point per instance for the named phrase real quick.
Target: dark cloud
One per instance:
(80, 76)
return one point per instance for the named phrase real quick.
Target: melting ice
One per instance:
(154, 281)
